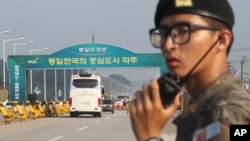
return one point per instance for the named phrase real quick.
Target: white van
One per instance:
(85, 95)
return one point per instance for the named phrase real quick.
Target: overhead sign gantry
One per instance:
(92, 55)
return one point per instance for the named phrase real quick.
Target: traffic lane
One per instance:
(169, 131)
(42, 128)
(113, 127)
(16, 124)
(81, 128)
(31, 130)
(170, 128)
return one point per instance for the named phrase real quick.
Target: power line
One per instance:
(240, 49)
(238, 61)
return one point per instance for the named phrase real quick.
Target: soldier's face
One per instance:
(181, 58)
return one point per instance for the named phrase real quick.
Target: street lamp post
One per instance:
(3, 32)
(24, 43)
(4, 42)
(44, 84)
(31, 51)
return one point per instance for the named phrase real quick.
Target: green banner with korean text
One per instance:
(93, 55)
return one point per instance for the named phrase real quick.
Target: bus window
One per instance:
(85, 83)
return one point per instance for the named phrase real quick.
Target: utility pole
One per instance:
(242, 73)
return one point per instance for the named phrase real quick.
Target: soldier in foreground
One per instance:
(195, 37)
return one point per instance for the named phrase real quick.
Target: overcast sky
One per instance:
(58, 24)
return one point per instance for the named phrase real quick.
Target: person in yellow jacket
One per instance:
(128, 103)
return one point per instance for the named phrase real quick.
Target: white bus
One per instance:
(85, 96)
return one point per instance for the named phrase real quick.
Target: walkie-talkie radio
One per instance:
(169, 87)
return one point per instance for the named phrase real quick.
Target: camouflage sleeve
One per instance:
(233, 106)
(237, 112)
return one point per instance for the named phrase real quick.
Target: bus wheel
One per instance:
(99, 115)
(73, 115)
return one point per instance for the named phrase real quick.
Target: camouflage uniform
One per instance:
(223, 101)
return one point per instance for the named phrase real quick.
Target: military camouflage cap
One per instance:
(216, 9)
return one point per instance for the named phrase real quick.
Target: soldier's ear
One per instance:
(224, 40)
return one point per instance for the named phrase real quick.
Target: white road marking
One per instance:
(82, 128)
(56, 138)
(97, 122)
(107, 117)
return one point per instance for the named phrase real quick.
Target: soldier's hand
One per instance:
(147, 114)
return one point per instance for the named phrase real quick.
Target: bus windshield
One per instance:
(85, 83)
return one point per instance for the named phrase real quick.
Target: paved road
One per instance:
(110, 127)
(169, 131)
